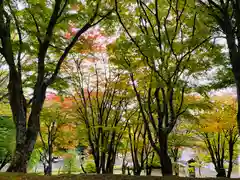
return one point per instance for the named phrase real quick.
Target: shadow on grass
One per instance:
(17, 176)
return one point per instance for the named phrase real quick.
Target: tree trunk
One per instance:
(110, 163)
(26, 138)
(165, 160)
(199, 171)
(19, 160)
(50, 160)
(137, 171)
(149, 168)
(103, 162)
(124, 164)
(237, 79)
(175, 158)
(230, 158)
(98, 165)
(221, 172)
(234, 54)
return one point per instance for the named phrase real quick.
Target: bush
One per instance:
(90, 167)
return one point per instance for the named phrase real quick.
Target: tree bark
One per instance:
(16, 99)
(26, 137)
(221, 172)
(234, 58)
(237, 80)
(149, 168)
(231, 149)
(165, 160)
(230, 25)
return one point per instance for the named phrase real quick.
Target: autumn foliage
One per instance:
(92, 41)
(222, 116)
(60, 111)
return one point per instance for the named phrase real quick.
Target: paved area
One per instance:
(205, 171)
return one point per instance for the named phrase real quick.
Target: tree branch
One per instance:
(72, 43)
(37, 27)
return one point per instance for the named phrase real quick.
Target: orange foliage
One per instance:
(59, 110)
(222, 116)
(91, 41)
(67, 137)
(65, 103)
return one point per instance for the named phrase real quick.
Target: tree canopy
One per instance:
(140, 79)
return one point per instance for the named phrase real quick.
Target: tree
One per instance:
(163, 41)
(100, 98)
(102, 105)
(226, 15)
(140, 147)
(219, 132)
(57, 131)
(38, 27)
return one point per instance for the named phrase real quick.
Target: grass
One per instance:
(17, 176)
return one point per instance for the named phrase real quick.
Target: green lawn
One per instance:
(13, 176)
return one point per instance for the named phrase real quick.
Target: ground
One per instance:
(13, 176)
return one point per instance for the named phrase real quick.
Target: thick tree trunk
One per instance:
(16, 99)
(110, 163)
(235, 59)
(165, 160)
(237, 79)
(221, 172)
(234, 54)
(26, 138)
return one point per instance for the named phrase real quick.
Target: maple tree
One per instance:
(160, 47)
(126, 74)
(101, 107)
(140, 146)
(218, 129)
(38, 27)
(100, 98)
(58, 130)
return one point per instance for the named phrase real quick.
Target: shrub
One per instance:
(90, 167)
